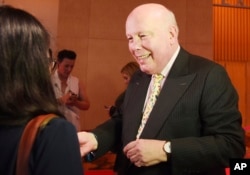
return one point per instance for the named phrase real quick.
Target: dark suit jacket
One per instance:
(196, 110)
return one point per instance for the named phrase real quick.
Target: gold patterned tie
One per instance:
(156, 88)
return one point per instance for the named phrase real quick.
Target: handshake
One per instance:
(140, 152)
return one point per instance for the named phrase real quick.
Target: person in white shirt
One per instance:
(70, 92)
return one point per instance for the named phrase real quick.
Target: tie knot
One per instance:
(157, 77)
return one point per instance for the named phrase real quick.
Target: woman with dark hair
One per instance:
(26, 92)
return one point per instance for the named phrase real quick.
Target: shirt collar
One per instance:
(167, 68)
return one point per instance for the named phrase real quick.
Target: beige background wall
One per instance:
(45, 10)
(95, 30)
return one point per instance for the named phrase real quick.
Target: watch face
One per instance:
(167, 148)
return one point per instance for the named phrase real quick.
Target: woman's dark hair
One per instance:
(26, 90)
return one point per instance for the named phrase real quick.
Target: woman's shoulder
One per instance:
(58, 127)
(57, 149)
(59, 122)
(56, 132)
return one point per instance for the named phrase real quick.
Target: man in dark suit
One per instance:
(194, 126)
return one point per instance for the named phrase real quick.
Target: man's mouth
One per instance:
(143, 56)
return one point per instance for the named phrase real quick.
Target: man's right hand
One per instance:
(87, 141)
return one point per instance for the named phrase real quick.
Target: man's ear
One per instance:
(173, 34)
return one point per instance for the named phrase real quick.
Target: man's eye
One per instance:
(129, 38)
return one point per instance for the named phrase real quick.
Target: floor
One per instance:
(101, 166)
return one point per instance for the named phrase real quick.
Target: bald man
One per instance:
(194, 126)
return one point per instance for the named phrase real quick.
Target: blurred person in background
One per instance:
(70, 91)
(127, 72)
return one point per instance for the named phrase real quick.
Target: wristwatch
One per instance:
(167, 147)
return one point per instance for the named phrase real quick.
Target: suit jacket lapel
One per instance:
(133, 103)
(177, 82)
(171, 92)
